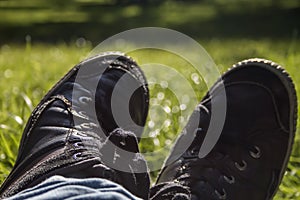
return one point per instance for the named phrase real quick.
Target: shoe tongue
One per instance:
(120, 152)
(127, 100)
(124, 139)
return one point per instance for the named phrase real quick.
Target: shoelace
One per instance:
(169, 191)
(224, 151)
(87, 142)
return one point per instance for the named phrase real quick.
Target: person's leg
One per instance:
(250, 157)
(58, 187)
(74, 131)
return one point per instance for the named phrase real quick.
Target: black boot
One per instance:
(73, 131)
(252, 152)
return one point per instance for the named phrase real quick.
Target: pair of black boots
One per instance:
(75, 131)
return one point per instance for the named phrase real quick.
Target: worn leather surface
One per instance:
(250, 156)
(68, 132)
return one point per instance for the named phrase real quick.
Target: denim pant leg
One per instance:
(58, 187)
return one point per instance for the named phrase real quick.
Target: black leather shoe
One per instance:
(73, 132)
(250, 156)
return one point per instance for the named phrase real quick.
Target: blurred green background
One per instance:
(95, 20)
(40, 40)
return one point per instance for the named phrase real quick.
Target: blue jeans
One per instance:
(58, 187)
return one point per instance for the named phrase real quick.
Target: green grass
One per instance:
(27, 72)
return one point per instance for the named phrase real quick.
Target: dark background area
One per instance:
(67, 20)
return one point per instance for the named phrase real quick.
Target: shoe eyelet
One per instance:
(193, 152)
(85, 126)
(77, 155)
(176, 181)
(182, 168)
(198, 130)
(229, 179)
(221, 195)
(242, 166)
(255, 154)
(78, 144)
(80, 134)
(84, 100)
(83, 114)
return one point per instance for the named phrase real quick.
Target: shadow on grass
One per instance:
(103, 20)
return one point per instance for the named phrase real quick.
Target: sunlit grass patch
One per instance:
(28, 72)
